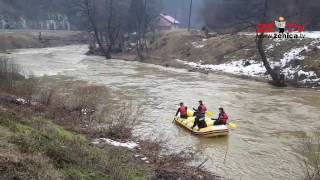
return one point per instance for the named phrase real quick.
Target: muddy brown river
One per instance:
(271, 121)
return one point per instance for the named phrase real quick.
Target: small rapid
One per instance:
(271, 121)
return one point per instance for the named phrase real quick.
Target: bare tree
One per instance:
(107, 19)
(143, 14)
(278, 80)
(190, 14)
(245, 17)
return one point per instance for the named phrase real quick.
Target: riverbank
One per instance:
(232, 55)
(236, 55)
(59, 128)
(16, 39)
(158, 90)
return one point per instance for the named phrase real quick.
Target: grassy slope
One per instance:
(223, 48)
(36, 148)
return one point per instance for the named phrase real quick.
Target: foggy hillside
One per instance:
(217, 14)
(39, 10)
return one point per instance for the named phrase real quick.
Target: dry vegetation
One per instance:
(46, 134)
(220, 48)
(36, 148)
(310, 149)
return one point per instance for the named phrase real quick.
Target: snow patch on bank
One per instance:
(129, 145)
(253, 68)
(291, 55)
(312, 34)
(270, 47)
(297, 72)
(197, 45)
(240, 67)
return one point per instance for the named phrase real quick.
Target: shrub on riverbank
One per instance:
(28, 137)
(13, 82)
(9, 74)
(88, 109)
(36, 148)
(47, 134)
(310, 148)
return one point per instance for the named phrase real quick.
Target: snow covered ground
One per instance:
(129, 145)
(197, 45)
(255, 68)
(312, 34)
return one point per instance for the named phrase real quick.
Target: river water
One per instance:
(271, 121)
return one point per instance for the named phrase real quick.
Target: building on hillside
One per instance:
(166, 22)
(56, 22)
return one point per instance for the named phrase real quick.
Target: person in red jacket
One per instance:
(183, 111)
(222, 119)
(200, 114)
(202, 109)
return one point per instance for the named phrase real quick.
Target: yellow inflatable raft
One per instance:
(209, 131)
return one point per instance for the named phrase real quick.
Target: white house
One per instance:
(56, 22)
(166, 22)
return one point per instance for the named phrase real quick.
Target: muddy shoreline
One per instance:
(10, 40)
(16, 39)
(173, 63)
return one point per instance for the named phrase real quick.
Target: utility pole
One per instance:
(190, 14)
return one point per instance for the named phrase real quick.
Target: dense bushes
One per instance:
(43, 150)
(310, 148)
(9, 73)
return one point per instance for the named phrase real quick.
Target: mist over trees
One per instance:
(142, 19)
(37, 10)
(225, 14)
(107, 19)
(112, 21)
(216, 14)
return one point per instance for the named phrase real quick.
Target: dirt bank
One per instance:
(40, 39)
(236, 55)
(298, 59)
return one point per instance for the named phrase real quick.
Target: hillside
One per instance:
(299, 59)
(36, 14)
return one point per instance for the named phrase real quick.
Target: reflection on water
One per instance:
(270, 120)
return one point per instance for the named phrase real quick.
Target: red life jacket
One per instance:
(182, 111)
(224, 117)
(203, 109)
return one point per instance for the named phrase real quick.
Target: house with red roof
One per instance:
(167, 22)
